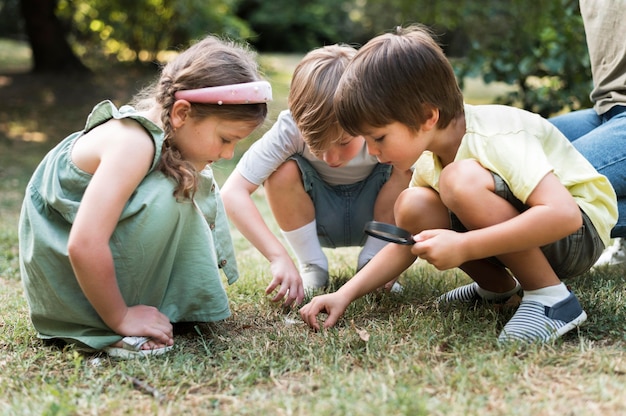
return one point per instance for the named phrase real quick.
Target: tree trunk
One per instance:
(51, 50)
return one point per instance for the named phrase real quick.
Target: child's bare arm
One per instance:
(390, 262)
(553, 214)
(120, 153)
(241, 209)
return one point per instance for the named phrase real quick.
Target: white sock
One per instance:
(372, 246)
(306, 246)
(548, 296)
(489, 295)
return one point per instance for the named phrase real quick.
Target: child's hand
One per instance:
(147, 321)
(333, 304)
(287, 277)
(441, 248)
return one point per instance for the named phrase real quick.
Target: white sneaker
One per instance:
(313, 277)
(396, 288)
(614, 254)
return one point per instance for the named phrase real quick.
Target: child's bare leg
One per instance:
(416, 209)
(490, 276)
(473, 203)
(419, 209)
(548, 310)
(383, 211)
(388, 194)
(291, 205)
(468, 190)
(294, 212)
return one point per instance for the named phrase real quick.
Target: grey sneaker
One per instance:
(535, 322)
(313, 277)
(614, 254)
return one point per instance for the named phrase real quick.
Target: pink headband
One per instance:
(245, 93)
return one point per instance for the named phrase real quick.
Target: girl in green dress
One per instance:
(122, 230)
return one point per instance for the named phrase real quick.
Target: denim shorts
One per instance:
(570, 256)
(341, 211)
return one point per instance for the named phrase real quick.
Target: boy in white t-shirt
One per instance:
(321, 184)
(497, 191)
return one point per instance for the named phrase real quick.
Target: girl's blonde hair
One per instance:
(210, 62)
(311, 94)
(398, 77)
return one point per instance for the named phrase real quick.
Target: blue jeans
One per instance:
(602, 140)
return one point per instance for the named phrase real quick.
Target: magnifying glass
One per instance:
(389, 232)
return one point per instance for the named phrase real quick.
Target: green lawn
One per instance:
(390, 354)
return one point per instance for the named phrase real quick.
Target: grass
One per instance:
(389, 354)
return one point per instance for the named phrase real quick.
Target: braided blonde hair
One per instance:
(210, 62)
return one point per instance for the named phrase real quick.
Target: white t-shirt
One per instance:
(522, 147)
(284, 140)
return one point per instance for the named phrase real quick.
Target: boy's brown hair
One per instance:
(311, 94)
(398, 77)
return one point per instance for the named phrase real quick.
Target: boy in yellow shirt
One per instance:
(496, 191)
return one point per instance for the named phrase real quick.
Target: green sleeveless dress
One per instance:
(167, 254)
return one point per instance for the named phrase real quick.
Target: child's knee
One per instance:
(420, 208)
(285, 176)
(462, 180)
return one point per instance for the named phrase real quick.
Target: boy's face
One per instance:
(341, 152)
(395, 144)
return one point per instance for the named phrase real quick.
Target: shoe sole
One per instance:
(559, 332)
(116, 352)
(132, 349)
(570, 325)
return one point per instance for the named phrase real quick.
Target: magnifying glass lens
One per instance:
(389, 232)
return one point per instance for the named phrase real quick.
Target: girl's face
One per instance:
(341, 152)
(395, 144)
(206, 140)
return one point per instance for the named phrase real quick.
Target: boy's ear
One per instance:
(433, 118)
(180, 113)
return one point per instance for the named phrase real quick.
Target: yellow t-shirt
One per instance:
(522, 147)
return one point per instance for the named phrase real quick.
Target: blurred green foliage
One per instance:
(538, 47)
(138, 30)
(298, 26)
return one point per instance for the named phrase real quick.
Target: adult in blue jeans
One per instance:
(599, 133)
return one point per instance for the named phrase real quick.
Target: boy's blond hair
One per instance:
(398, 77)
(311, 95)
